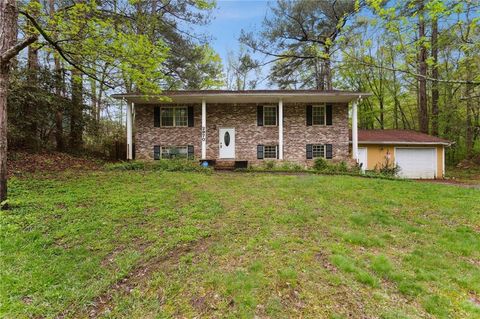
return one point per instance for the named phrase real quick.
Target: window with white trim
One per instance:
(318, 150)
(270, 151)
(269, 115)
(319, 115)
(173, 116)
(169, 152)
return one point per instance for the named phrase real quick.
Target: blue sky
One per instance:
(229, 18)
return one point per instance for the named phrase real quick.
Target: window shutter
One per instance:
(259, 115)
(190, 116)
(156, 116)
(329, 114)
(259, 151)
(156, 152)
(309, 151)
(277, 150)
(190, 151)
(309, 115)
(328, 151)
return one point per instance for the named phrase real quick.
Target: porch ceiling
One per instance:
(249, 96)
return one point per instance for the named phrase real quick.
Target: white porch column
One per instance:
(129, 131)
(204, 130)
(354, 131)
(280, 129)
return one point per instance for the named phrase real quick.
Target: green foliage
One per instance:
(304, 34)
(389, 69)
(387, 167)
(31, 109)
(98, 38)
(269, 164)
(290, 166)
(170, 165)
(320, 164)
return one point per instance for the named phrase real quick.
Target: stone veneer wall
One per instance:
(296, 134)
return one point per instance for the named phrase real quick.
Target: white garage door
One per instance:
(416, 162)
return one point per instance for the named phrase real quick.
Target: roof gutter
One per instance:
(403, 143)
(199, 95)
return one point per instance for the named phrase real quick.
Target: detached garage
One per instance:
(418, 155)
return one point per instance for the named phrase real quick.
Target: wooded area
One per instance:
(419, 58)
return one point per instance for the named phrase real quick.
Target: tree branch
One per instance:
(60, 51)
(13, 51)
(428, 78)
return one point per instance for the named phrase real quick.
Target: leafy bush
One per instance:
(126, 166)
(269, 165)
(387, 167)
(342, 167)
(320, 164)
(173, 165)
(290, 166)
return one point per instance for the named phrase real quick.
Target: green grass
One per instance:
(178, 244)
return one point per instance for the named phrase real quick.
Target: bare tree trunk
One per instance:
(32, 62)
(318, 75)
(422, 70)
(59, 112)
(58, 91)
(76, 116)
(8, 32)
(327, 72)
(435, 93)
(99, 103)
(468, 120)
(93, 99)
(31, 133)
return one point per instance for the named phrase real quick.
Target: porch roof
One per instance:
(247, 96)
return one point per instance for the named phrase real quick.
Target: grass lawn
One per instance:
(184, 245)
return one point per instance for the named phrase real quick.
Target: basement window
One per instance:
(270, 151)
(318, 150)
(171, 152)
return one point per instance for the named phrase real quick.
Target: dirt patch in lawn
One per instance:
(325, 261)
(20, 163)
(475, 300)
(140, 275)
(452, 182)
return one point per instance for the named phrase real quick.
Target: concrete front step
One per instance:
(225, 165)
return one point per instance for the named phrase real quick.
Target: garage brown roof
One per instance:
(398, 137)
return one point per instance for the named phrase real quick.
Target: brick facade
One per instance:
(248, 135)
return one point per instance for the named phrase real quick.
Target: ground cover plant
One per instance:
(126, 244)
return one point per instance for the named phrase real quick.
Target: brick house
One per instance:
(243, 127)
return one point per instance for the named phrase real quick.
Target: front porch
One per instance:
(225, 125)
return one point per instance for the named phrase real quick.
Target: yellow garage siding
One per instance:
(376, 154)
(440, 167)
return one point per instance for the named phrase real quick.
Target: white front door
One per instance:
(362, 158)
(226, 143)
(416, 162)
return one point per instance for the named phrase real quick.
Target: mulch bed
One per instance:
(21, 162)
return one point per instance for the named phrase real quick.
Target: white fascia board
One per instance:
(402, 143)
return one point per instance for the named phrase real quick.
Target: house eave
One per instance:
(237, 97)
